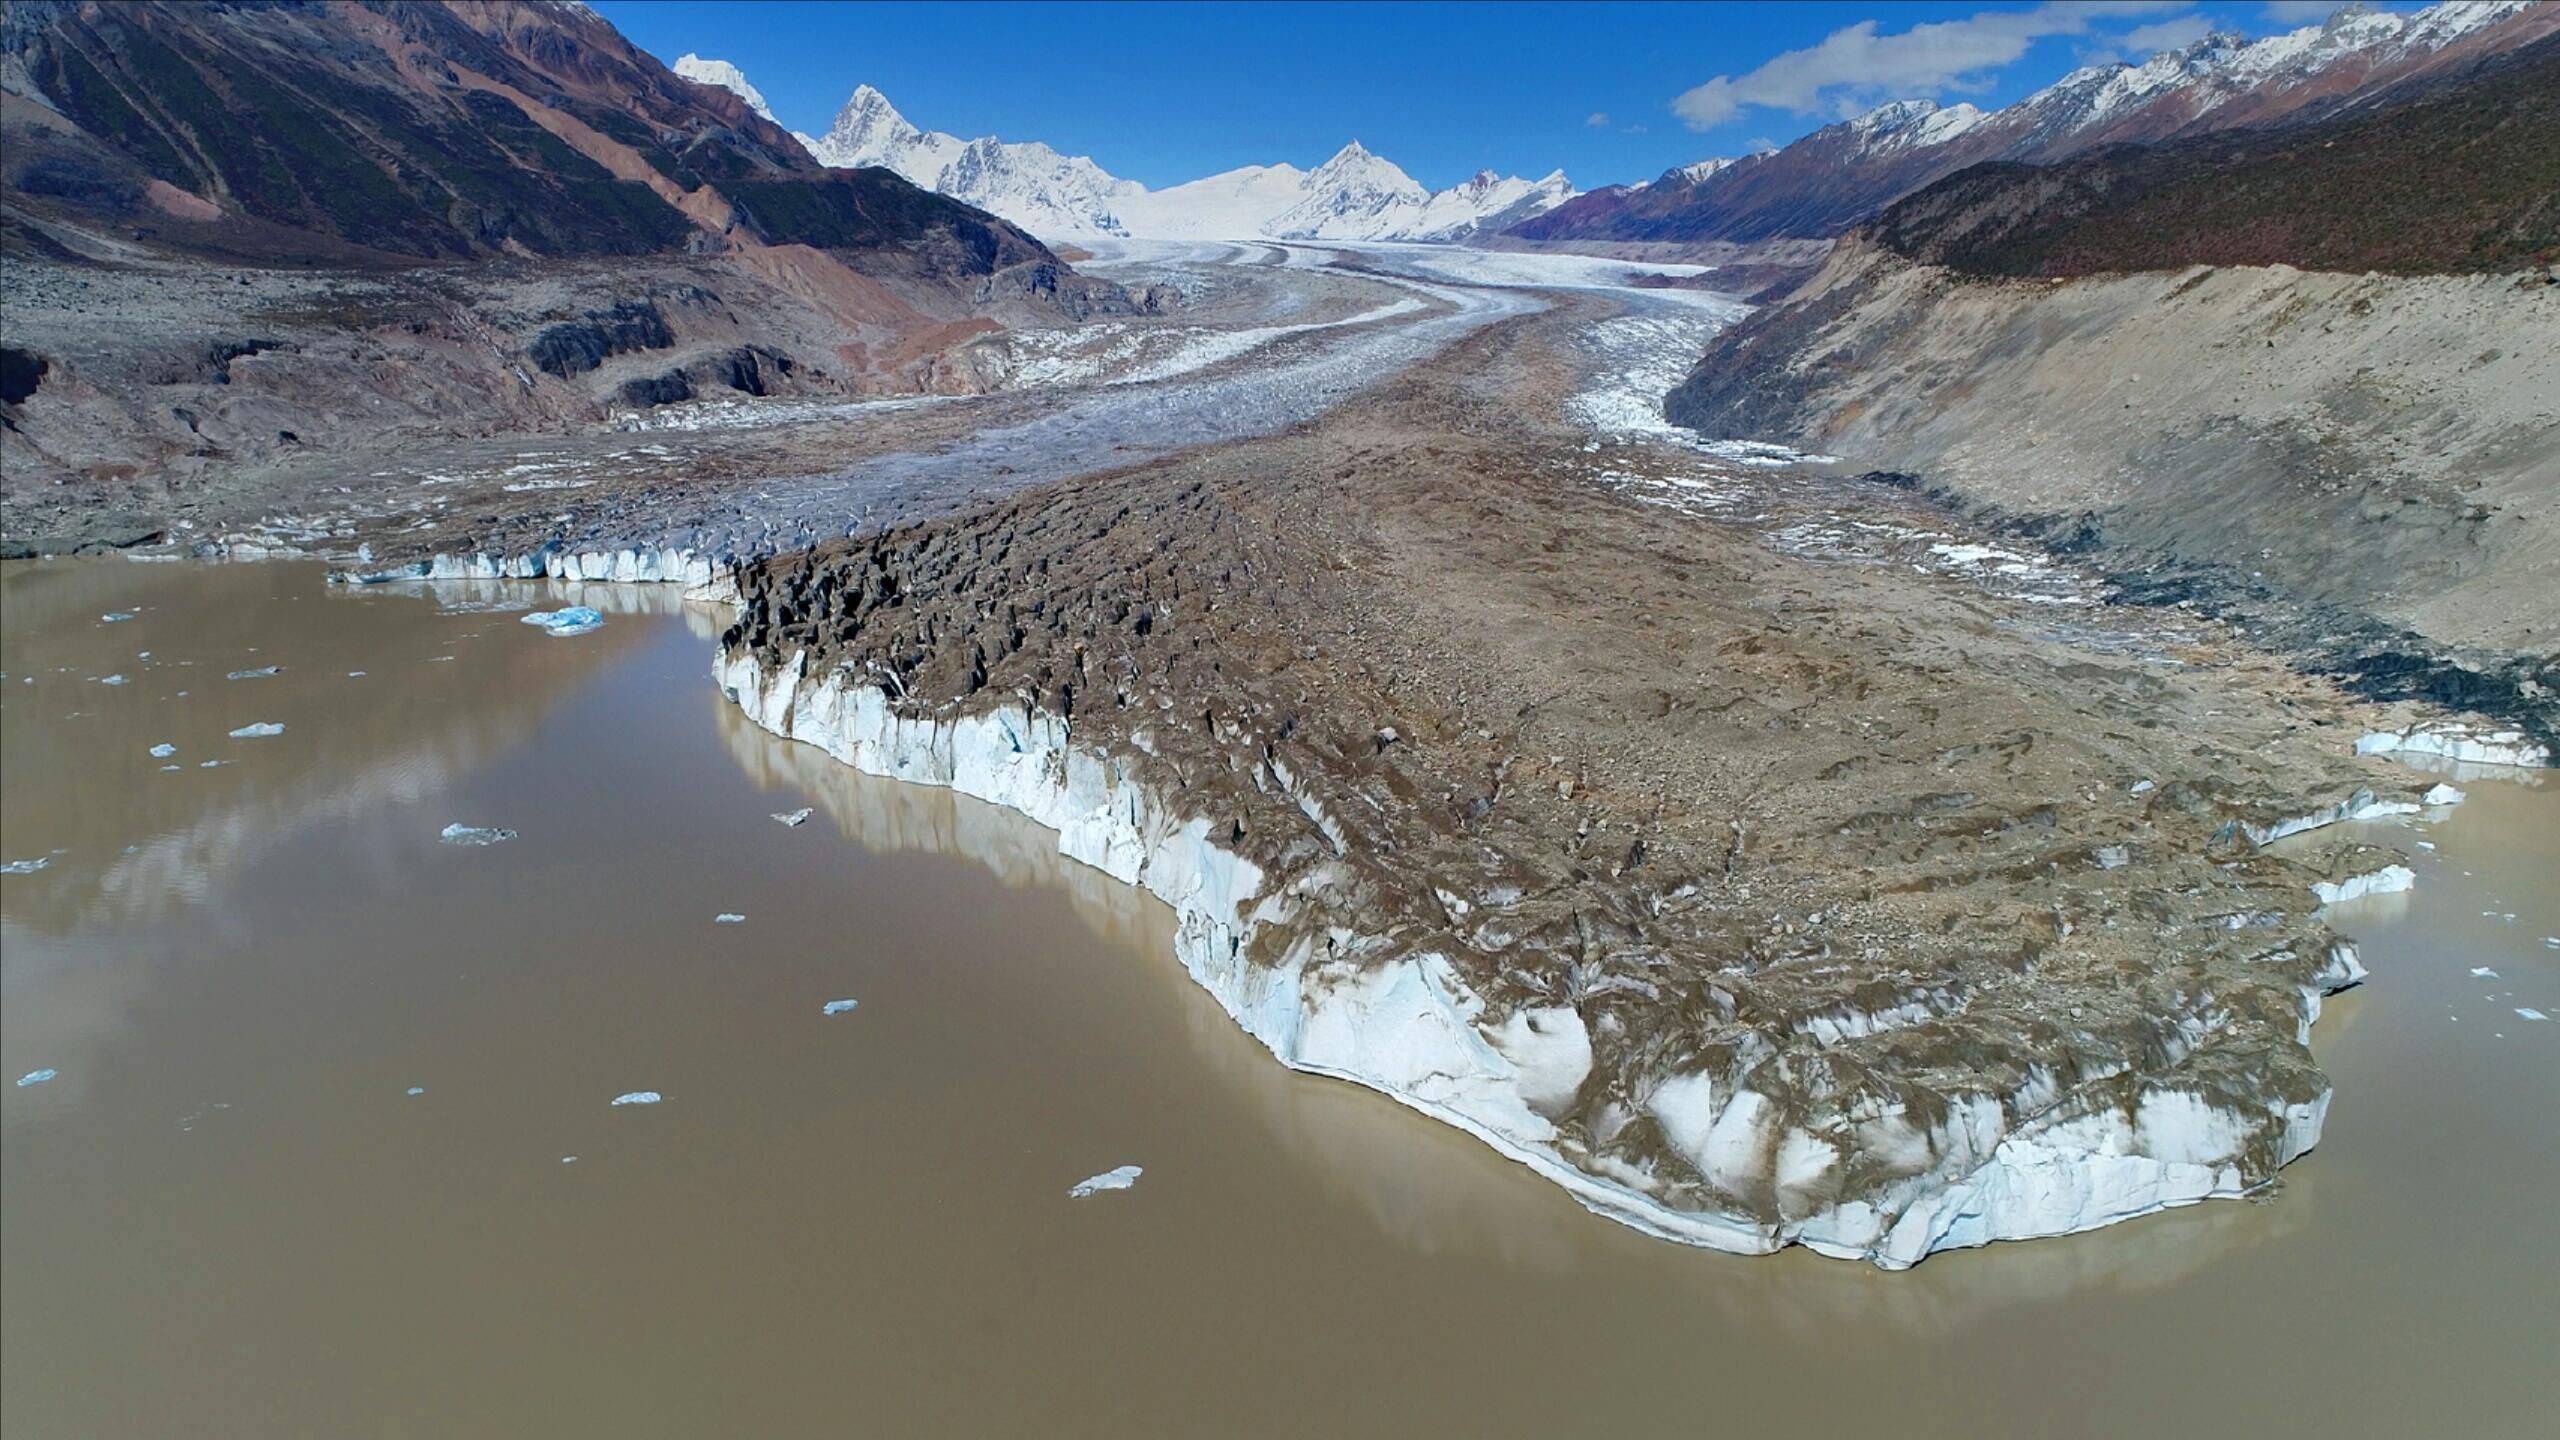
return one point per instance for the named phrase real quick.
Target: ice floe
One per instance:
(26, 867)
(638, 1097)
(838, 1007)
(461, 834)
(163, 750)
(2441, 795)
(417, 1089)
(793, 817)
(2530, 1013)
(576, 620)
(258, 731)
(726, 917)
(261, 673)
(114, 616)
(2389, 880)
(2484, 972)
(36, 1077)
(1119, 1177)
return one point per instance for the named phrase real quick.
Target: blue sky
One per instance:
(1163, 93)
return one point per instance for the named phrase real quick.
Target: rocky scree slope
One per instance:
(2365, 455)
(1753, 900)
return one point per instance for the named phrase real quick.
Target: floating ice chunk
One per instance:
(638, 1097)
(263, 672)
(207, 764)
(110, 679)
(1117, 1178)
(2526, 1011)
(173, 767)
(2484, 972)
(576, 620)
(355, 674)
(793, 817)
(163, 750)
(728, 917)
(568, 1159)
(417, 1089)
(26, 867)
(2389, 880)
(258, 731)
(2442, 795)
(838, 1007)
(36, 1077)
(113, 616)
(461, 834)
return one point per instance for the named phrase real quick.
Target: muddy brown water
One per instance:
(225, 1214)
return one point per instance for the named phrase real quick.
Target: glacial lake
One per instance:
(303, 1163)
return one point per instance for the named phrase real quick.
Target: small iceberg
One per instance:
(1119, 1177)
(261, 673)
(417, 1089)
(2441, 795)
(163, 750)
(110, 679)
(638, 1097)
(26, 867)
(728, 918)
(258, 731)
(2484, 972)
(114, 616)
(793, 817)
(36, 1077)
(2526, 1011)
(2389, 880)
(461, 834)
(838, 1007)
(576, 620)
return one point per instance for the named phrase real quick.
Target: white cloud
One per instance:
(1855, 66)
(2301, 12)
(1598, 120)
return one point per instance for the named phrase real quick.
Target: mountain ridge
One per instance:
(1355, 194)
(1841, 174)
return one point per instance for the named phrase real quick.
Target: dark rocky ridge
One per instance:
(1835, 178)
(417, 129)
(2460, 180)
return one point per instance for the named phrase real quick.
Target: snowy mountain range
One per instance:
(1840, 174)
(1356, 195)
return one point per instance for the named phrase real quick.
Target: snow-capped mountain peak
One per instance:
(870, 131)
(1356, 194)
(724, 75)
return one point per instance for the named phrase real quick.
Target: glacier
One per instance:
(1413, 1030)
